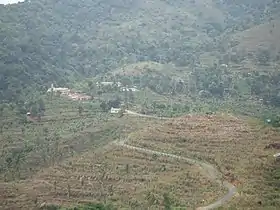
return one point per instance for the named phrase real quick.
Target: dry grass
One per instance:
(128, 178)
(262, 36)
(234, 145)
(135, 180)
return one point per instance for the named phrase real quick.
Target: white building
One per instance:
(277, 156)
(109, 83)
(129, 89)
(62, 90)
(224, 65)
(115, 110)
(6, 2)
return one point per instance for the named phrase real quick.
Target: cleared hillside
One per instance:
(262, 37)
(234, 145)
(128, 179)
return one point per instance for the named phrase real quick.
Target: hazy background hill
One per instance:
(45, 41)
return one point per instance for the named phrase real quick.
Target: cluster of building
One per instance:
(133, 89)
(81, 96)
(69, 93)
(115, 110)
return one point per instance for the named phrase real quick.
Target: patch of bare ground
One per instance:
(233, 145)
(262, 36)
(126, 177)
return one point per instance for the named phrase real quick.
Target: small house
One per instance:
(277, 156)
(224, 65)
(115, 110)
(129, 89)
(118, 84)
(63, 91)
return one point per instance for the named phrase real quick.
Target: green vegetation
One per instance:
(43, 141)
(273, 180)
(181, 57)
(56, 41)
(97, 206)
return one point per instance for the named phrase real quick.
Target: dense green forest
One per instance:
(46, 41)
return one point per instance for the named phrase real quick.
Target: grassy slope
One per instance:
(62, 129)
(255, 39)
(130, 180)
(127, 192)
(263, 36)
(235, 145)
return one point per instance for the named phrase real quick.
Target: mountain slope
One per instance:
(264, 36)
(45, 41)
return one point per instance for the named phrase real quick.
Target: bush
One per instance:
(90, 206)
(274, 121)
(93, 206)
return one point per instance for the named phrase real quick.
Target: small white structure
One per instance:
(277, 156)
(62, 90)
(115, 110)
(225, 66)
(6, 2)
(105, 83)
(109, 83)
(268, 120)
(129, 89)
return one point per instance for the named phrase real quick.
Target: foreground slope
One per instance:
(133, 178)
(235, 146)
(127, 178)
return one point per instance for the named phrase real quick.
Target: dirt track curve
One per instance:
(207, 168)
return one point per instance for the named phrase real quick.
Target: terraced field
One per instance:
(232, 144)
(63, 132)
(148, 159)
(128, 178)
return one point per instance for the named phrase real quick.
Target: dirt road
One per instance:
(209, 170)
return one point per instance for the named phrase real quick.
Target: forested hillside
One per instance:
(45, 41)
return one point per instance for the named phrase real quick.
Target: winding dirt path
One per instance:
(207, 168)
